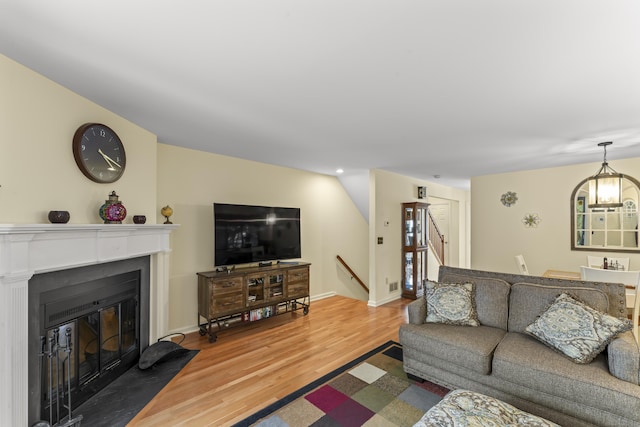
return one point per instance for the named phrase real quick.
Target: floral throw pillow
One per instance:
(451, 303)
(576, 330)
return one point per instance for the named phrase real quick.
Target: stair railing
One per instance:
(436, 239)
(353, 275)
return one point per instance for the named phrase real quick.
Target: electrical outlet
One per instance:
(379, 240)
(393, 286)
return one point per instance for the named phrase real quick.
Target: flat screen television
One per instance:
(249, 234)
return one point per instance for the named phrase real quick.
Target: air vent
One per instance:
(393, 286)
(71, 312)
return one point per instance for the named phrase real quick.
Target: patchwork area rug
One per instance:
(372, 390)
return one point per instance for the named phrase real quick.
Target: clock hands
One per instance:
(109, 160)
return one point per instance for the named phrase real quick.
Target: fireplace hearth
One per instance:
(91, 317)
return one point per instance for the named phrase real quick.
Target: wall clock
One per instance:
(99, 153)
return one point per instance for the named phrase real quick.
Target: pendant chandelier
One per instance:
(605, 187)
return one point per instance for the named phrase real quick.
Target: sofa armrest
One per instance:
(417, 311)
(624, 358)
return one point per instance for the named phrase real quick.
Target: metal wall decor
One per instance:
(531, 220)
(509, 198)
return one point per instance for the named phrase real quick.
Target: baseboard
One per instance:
(383, 301)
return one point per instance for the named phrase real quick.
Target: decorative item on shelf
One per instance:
(605, 187)
(112, 211)
(139, 219)
(509, 198)
(59, 217)
(422, 192)
(166, 213)
(531, 220)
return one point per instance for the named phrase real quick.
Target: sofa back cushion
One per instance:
(491, 295)
(529, 300)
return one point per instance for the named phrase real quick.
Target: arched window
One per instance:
(614, 229)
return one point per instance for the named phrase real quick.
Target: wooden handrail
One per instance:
(353, 275)
(436, 238)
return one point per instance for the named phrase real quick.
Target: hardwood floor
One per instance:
(253, 366)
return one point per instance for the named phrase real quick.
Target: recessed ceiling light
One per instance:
(339, 171)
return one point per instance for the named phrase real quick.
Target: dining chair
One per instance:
(522, 266)
(631, 279)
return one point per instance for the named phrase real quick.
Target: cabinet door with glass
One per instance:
(414, 248)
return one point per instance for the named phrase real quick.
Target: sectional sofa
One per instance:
(500, 359)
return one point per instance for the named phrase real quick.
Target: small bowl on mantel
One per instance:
(139, 219)
(59, 217)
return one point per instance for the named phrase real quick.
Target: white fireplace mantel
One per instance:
(26, 250)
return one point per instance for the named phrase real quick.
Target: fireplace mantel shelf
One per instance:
(39, 228)
(28, 249)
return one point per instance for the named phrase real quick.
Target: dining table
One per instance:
(561, 274)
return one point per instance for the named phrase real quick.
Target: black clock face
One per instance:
(99, 153)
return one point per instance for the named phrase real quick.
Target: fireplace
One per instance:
(86, 321)
(28, 252)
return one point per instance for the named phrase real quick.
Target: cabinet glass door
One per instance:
(255, 289)
(421, 270)
(421, 227)
(408, 271)
(408, 227)
(276, 285)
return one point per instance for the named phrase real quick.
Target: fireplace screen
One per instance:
(84, 353)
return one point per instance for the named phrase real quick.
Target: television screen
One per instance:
(247, 234)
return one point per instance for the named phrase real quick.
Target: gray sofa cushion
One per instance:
(529, 300)
(622, 354)
(417, 311)
(492, 298)
(615, 291)
(465, 346)
(517, 361)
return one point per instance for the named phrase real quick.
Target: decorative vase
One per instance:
(112, 211)
(139, 219)
(59, 217)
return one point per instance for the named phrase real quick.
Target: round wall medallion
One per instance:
(509, 198)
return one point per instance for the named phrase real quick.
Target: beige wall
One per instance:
(389, 191)
(37, 170)
(38, 174)
(498, 233)
(191, 181)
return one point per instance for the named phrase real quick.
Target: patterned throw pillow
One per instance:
(575, 329)
(464, 408)
(451, 303)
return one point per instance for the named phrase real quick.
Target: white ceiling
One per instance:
(456, 88)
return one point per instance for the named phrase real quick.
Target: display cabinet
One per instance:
(415, 238)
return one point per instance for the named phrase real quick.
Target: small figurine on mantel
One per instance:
(167, 212)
